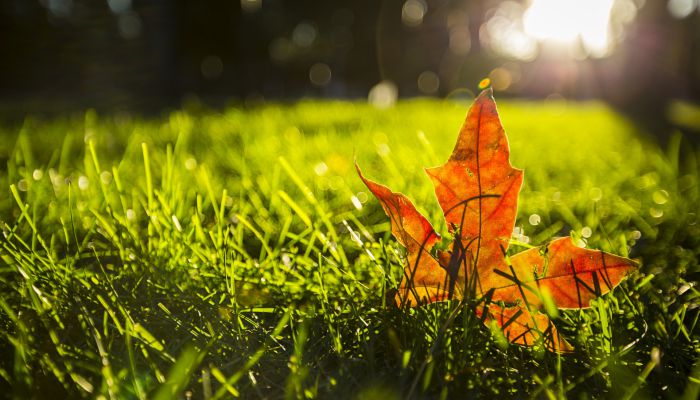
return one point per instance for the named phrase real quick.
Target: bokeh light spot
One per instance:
(251, 6)
(586, 232)
(320, 74)
(190, 164)
(83, 182)
(484, 83)
(501, 79)
(129, 25)
(106, 177)
(212, 67)
(428, 82)
(59, 8)
(503, 33)
(281, 49)
(460, 38)
(660, 197)
(655, 212)
(362, 196)
(413, 12)
(681, 8)
(383, 94)
(119, 6)
(321, 168)
(356, 202)
(304, 35)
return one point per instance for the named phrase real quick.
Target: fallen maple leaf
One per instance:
(477, 189)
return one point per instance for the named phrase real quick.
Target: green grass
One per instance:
(236, 253)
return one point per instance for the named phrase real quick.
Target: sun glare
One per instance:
(582, 28)
(568, 21)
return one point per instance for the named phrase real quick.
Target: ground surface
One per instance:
(236, 253)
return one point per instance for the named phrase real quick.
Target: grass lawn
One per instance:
(210, 254)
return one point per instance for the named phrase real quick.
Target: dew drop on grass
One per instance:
(586, 232)
(130, 214)
(356, 202)
(685, 182)
(106, 177)
(190, 164)
(83, 182)
(636, 235)
(655, 355)
(383, 149)
(383, 95)
(660, 197)
(321, 168)
(37, 174)
(655, 212)
(362, 196)
(595, 194)
(56, 179)
(22, 185)
(684, 288)
(535, 219)
(286, 260)
(176, 222)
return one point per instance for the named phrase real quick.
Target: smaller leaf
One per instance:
(424, 280)
(408, 225)
(525, 327)
(573, 276)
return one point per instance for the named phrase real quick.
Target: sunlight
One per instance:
(568, 21)
(575, 28)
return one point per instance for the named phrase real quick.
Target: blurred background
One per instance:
(640, 56)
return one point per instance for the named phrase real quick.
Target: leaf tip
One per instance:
(485, 95)
(366, 181)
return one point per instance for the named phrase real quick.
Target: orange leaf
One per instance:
(424, 277)
(571, 275)
(527, 328)
(477, 189)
